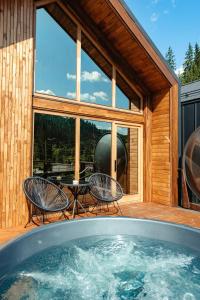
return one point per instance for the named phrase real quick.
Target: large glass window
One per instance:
(54, 146)
(127, 159)
(55, 64)
(126, 98)
(95, 146)
(96, 74)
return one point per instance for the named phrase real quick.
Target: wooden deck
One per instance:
(136, 210)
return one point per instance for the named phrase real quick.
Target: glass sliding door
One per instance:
(54, 146)
(127, 159)
(105, 147)
(95, 146)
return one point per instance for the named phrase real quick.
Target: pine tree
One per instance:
(197, 61)
(170, 58)
(191, 64)
(188, 65)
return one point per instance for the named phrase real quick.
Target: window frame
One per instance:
(115, 70)
(114, 125)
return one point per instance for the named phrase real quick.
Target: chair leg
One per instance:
(95, 204)
(43, 218)
(66, 217)
(119, 208)
(31, 220)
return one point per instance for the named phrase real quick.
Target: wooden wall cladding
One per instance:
(16, 67)
(16, 104)
(160, 156)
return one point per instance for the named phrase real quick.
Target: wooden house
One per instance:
(83, 88)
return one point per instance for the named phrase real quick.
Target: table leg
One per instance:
(74, 207)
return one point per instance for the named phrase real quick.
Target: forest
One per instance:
(191, 64)
(54, 141)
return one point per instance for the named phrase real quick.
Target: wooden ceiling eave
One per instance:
(92, 30)
(142, 40)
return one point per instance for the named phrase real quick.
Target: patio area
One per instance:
(136, 210)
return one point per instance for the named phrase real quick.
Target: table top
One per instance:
(71, 184)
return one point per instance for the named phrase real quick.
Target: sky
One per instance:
(55, 68)
(172, 23)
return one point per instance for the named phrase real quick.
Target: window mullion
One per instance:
(113, 86)
(78, 64)
(77, 148)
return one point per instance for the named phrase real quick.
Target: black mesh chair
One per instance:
(105, 190)
(45, 196)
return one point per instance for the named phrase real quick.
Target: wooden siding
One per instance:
(133, 156)
(160, 145)
(16, 61)
(16, 105)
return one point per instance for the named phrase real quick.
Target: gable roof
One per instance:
(113, 26)
(149, 40)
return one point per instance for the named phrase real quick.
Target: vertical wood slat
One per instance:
(1, 110)
(174, 144)
(147, 151)
(160, 148)
(16, 60)
(113, 150)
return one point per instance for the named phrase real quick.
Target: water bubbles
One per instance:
(189, 296)
(102, 268)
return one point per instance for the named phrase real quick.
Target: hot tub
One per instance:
(103, 258)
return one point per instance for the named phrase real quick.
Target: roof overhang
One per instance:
(115, 28)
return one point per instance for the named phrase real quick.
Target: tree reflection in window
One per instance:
(91, 132)
(54, 146)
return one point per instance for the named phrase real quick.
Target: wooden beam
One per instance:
(91, 30)
(77, 149)
(49, 103)
(147, 151)
(141, 162)
(174, 144)
(113, 150)
(41, 3)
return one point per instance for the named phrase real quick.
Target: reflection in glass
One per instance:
(96, 74)
(127, 159)
(54, 146)
(55, 65)
(95, 146)
(126, 98)
(191, 164)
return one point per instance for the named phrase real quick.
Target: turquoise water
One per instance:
(99, 268)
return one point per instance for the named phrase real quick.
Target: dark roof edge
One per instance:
(130, 13)
(195, 81)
